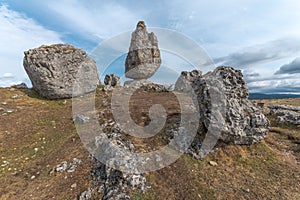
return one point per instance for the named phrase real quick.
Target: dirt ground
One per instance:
(37, 134)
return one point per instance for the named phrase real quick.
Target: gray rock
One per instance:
(115, 184)
(243, 122)
(86, 195)
(286, 114)
(61, 167)
(145, 85)
(53, 71)
(143, 58)
(76, 162)
(112, 80)
(81, 119)
(15, 96)
(20, 86)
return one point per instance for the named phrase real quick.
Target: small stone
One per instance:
(60, 167)
(32, 177)
(81, 119)
(74, 185)
(213, 163)
(15, 96)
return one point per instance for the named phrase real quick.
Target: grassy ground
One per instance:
(40, 134)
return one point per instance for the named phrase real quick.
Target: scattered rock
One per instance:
(114, 184)
(20, 86)
(145, 85)
(143, 58)
(81, 119)
(15, 96)
(112, 80)
(85, 195)
(75, 163)
(60, 167)
(53, 71)
(74, 185)
(213, 163)
(242, 123)
(286, 114)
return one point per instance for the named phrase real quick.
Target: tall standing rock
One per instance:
(143, 58)
(243, 122)
(53, 71)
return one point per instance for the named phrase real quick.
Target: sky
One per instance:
(261, 38)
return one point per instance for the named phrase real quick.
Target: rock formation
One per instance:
(286, 114)
(54, 69)
(143, 58)
(112, 80)
(243, 122)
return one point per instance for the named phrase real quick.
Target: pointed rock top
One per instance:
(141, 25)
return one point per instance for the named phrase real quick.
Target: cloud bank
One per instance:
(291, 68)
(19, 33)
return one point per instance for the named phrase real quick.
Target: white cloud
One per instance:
(7, 75)
(19, 33)
(94, 20)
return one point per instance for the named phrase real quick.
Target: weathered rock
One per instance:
(143, 58)
(53, 71)
(20, 86)
(243, 122)
(63, 166)
(145, 85)
(286, 114)
(115, 184)
(81, 119)
(86, 195)
(112, 80)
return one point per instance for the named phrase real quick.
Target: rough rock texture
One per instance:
(112, 80)
(143, 58)
(286, 114)
(20, 86)
(146, 85)
(114, 184)
(243, 122)
(54, 69)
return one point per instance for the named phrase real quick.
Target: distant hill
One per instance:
(258, 96)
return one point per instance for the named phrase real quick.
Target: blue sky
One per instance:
(262, 38)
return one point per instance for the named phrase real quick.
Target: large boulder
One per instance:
(225, 91)
(143, 58)
(53, 71)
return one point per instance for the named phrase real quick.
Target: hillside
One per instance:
(37, 134)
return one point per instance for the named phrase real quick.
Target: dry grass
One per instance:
(268, 170)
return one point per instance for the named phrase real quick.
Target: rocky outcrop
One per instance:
(286, 114)
(112, 80)
(243, 122)
(145, 85)
(143, 58)
(20, 86)
(53, 71)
